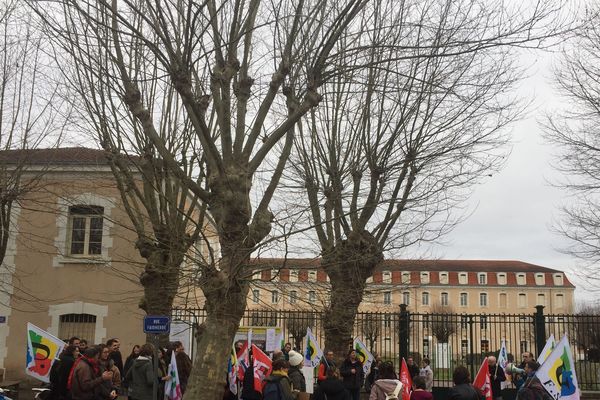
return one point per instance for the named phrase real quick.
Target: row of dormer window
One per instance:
(386, 277)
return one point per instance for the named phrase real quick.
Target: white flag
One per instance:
(363, 354)
(313, 352)
(550, 343)
(503, 356)
(172, 386)
(557, 374)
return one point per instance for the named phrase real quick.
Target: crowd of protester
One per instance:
(98, 372)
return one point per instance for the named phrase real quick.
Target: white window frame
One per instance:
(274, 296)
(275, 274)
(540, 278)
(463, 278)
(560, 304)
(444, 279)
(538, 297)
(87, 218)
(424, 278)
(312, 275)
(502, 278)
(520, 303)
(482, 278)
(558, 279)
(464, 296)
(387, 298)
(255, 296)
(312, 296)
(293, 296)
(386, 277)
(257, 275)
(500, 300)
(294, 273)
(425, 298)
(521, 278)
(484, 299)
(62, 240)
(446, 296)
(406, 298)
(405, 277)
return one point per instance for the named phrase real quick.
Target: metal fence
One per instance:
(446, 339)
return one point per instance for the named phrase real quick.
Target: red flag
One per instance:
(483, 382)
(406, 380)
(262, 367)
(243, 357)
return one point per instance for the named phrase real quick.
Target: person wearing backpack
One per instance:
(387, 387)
(277, 386)
(295, 373)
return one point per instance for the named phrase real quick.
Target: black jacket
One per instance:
(297, 379)
(413, 370)
(464, 391)
(496, 383)
(118, 359)
(352, 381)
(333, 388)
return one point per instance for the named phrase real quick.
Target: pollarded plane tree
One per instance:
(205, 91)
(397, 146)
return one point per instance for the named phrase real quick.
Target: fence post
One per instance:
(540, 328)
(403, 332)
(471, 358)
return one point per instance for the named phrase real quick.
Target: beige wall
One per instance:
(46, 283)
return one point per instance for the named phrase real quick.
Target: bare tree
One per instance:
(371, 329)
(396, 147)
(575, 132)
(28, 112)
(230, 67)
(442, 323)
(587, 331)
(297, 324)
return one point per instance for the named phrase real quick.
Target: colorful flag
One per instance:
(262, 367)
(406, 380)
(557, 374)
(42, 350)
(232, 371)
(363, 355)
(243, 360)
(313, 353)
(482, 381)
(173, 386)
(550, 343)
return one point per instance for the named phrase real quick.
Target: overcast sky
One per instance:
(513, 211)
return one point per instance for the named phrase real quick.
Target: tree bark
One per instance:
(348, 265)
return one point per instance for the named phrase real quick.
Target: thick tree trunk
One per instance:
(160, 281)
(348, 265)
(225, 305)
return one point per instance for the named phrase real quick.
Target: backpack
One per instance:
(272, 391)
(394, 395)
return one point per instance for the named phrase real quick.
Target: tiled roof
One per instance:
(55, 156)
(453, 267)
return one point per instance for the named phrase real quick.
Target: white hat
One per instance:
(295, 358)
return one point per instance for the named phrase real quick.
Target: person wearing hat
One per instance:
(294, 373)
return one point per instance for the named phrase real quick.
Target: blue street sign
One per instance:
(157, 324)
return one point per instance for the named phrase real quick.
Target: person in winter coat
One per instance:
(326, 363)
(332, 388)
(184, 364)
(352, 374)
(413, 368)
(86, 380)
(294, 373)
(463, 390)
(107, 364)
(532, 389)
(140, 376)
(387, 383)
(373, 374)
(59, 374)
(277, 386)
(135, 352)
(427, 373)
(420, 391)
(497, 376)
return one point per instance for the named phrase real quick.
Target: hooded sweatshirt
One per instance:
(383, 387)
(141, 378)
